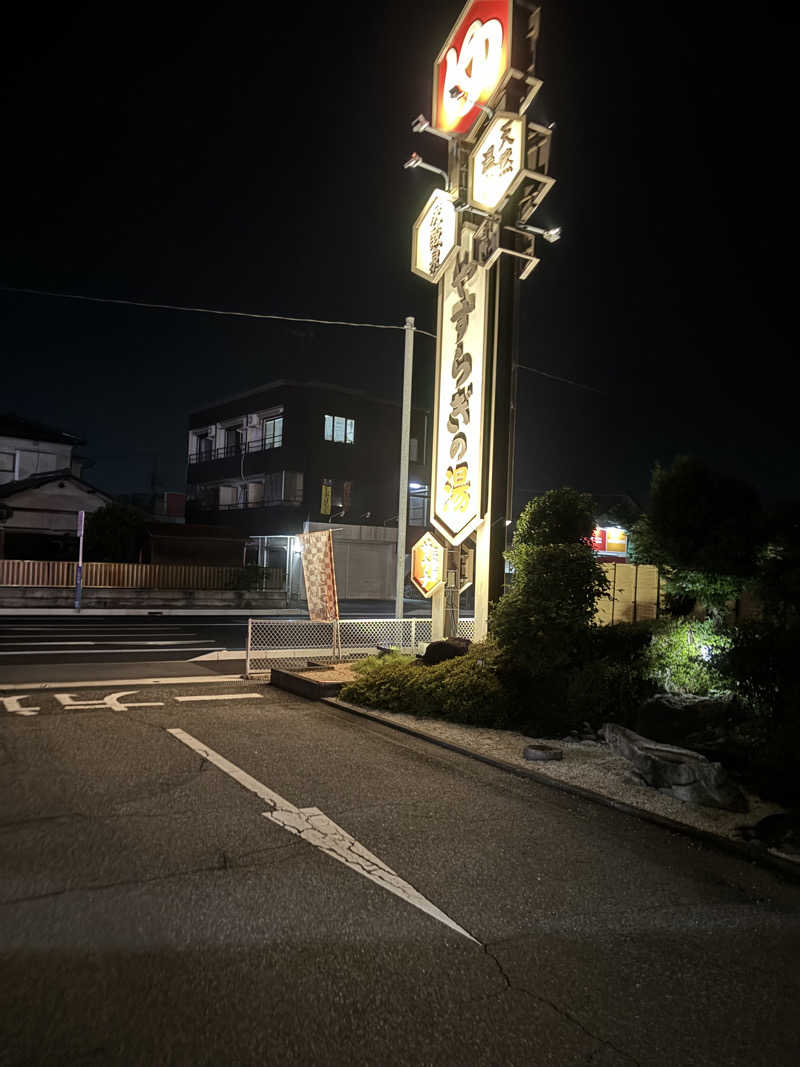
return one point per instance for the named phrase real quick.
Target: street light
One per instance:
(416, 160)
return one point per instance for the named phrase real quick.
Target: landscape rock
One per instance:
(780, 831)
(679, 771)
(450, 648)
(542, 752)
(674, 717)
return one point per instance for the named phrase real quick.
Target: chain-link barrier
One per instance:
(290, 642)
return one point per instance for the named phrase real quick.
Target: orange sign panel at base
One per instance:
(427, 565)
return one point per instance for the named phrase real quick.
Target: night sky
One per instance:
(250, 158)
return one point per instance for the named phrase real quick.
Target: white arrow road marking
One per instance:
(67, 700)
(12, 706)
(317, 829)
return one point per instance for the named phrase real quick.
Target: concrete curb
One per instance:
(755, 853)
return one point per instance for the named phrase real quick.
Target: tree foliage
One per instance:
(704, 531)
(558, 517)
(542, 621)
(115, 534)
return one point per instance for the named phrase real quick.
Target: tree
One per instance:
(704, 530)
(115, 534)
(542, 622)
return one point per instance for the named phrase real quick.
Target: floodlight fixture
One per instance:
(416, 160)
(423, 125)
(551, 235)
(460, 94)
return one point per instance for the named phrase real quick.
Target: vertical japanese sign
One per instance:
(460, 392)
(320, 576)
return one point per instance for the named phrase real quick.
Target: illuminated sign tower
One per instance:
(473, 239)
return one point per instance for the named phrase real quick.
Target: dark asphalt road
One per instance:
(151, 914)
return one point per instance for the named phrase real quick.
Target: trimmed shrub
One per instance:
(466, 689)
(683, 656)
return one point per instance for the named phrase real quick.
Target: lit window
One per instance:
(272, 432)
(340, 429)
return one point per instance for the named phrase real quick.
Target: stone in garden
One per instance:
(678, 771)
(439, 651)
(780, 831)
(674, 717)
(542, 752)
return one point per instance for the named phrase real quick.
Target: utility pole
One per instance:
(405, 434)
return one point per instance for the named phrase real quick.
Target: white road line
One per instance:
(318, 830)
(225, 696)
(92, 651)
(12, 644)
(106, 683)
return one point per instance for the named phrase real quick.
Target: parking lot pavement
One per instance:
(193, 880)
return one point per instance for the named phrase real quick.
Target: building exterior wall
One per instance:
(21, 458)
(51, 508)
(267, 487)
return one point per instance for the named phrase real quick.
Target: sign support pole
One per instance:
(405, 433)
(79, 568)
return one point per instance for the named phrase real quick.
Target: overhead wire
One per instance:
(263, 315)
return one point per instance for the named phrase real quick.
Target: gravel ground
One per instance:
(591, 765)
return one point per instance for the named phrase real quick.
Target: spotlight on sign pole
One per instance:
(416, 160)
(551, 236)
(460, 94)
(423, 125)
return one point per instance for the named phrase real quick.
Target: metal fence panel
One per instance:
(289, 642)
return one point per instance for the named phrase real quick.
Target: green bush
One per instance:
(466, 689)
(683, 656)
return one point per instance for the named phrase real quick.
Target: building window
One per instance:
(233, 440)
(283, 487)
(272, 433)
(335, 496)
(417, 507)
(340, 430)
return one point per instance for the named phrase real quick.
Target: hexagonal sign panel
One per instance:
(472, 64)
(434, 237)
(427, 565)
(497, 162)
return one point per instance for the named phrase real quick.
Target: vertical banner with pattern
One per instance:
(320, 576)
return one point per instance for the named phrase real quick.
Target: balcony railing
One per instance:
(242, 505)
(226, 451)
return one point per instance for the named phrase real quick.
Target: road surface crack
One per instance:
(559, 1011)
(219, 865)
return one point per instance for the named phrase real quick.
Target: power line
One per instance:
(210, 311)
(261, 315)
(555, 377)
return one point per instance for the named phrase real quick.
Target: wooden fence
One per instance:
(635, 594)
(38, 573)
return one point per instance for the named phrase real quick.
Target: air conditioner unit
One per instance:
(253, 420)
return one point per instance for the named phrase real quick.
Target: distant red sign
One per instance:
(469, 67)
(599, 540)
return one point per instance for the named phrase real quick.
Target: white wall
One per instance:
(31, 457)
(52, 508)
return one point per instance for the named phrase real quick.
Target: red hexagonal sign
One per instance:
(471, 64)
